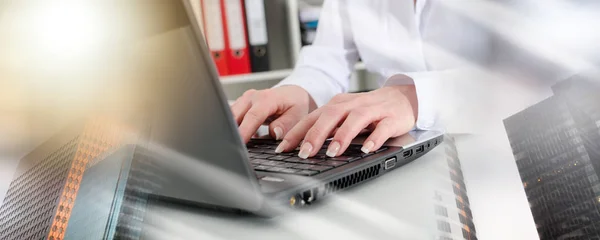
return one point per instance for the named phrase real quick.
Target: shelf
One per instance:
(256, 77)
(268, 76)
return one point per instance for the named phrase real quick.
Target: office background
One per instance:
(496, 192)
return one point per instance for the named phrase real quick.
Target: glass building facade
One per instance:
(556, 145)
(44, 189)
(113, 197)
(454, 219)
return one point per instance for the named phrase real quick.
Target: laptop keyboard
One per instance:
(263, 158)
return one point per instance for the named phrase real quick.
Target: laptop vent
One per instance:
(352, 179)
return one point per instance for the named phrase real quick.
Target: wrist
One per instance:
(410, 94)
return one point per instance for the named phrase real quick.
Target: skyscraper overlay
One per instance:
(44, 189)
(556, 144)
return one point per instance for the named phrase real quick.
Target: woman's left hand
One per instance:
(390, 111)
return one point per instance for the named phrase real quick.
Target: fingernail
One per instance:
(281, 146)
(305, 150)
(367, 147)
(333, 149)
(278, 133)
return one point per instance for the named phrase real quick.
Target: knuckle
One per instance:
(338, 98)
(361, 112)
(249, 93)
(264, 95)
(332, 110)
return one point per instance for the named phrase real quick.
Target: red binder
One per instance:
(238, 54)
(215, 32)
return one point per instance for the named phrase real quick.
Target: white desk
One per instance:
(397, 205)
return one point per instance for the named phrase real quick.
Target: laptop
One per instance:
(191, 133)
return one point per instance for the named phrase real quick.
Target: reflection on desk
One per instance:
(425, 199)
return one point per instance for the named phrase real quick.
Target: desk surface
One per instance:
(397, 205)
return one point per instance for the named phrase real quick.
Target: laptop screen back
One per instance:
(144, 61)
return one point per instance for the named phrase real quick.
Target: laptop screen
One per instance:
(143, 62)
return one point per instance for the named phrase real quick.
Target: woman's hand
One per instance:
(389, 111)
(281, 107)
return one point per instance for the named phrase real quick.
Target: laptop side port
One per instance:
(420, 149)
(408, 153)
(309, 196)
(389, 163)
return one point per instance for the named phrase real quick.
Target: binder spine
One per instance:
(214, 29)
(257, 35)
(238, 57)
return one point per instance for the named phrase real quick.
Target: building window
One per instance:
(441, 211)
(463, 220)
(443, 226)
(438, 196)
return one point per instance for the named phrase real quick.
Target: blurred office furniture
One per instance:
(284, 44)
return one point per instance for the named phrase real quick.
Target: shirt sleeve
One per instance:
(324, 68)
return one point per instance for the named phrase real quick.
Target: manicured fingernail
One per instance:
(333, 149)
(281, 146)
(278, 133)
(305, 150)
(367, 147)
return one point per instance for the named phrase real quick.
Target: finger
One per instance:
(296, 134)
(385, 129)
(356, 121)
(321, 130)
(255, 117)
(242, 105)
(281, 125)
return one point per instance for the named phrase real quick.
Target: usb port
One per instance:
(420, 149)
(407, 153)
(389, 163)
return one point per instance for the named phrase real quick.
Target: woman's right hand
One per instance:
(280, 107)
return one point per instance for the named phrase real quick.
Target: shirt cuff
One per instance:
(427, 118)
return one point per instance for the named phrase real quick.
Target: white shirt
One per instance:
(443, 46)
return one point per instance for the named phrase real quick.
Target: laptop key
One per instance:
(277, 169)
(263, 156)
(265, 146)
(279, 158)
(255, 151)
(289, 154)
(289, 170)
(333, 163)
(303, 166)
(344, 158)
(311, 161)
(256, 161)
(262, 168)
(320, 168)
(294, 160)
(288, 165)
(271, 163)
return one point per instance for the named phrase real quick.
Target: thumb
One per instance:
(280, 126)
